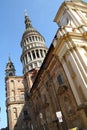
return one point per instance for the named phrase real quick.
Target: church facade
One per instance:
(52, 93)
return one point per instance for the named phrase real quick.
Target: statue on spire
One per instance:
(27, 20)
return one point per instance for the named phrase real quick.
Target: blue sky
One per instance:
(41, 14)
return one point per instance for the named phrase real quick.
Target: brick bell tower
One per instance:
(14, 97)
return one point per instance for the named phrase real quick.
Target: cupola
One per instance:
(33, 47)
(10, 69)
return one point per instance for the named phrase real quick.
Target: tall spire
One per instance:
(34, 48)
(9, 59)
(27, 20)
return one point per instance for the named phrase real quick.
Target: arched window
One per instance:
(37, 53)
(41, 53)
(10, 74)
(33, 54)
(30, 39)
